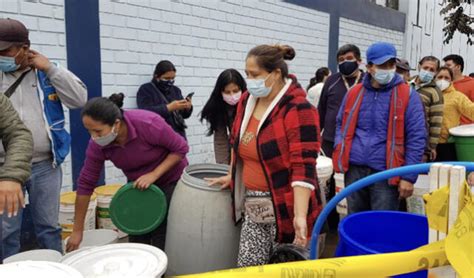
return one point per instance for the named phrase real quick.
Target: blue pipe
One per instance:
(367, 181)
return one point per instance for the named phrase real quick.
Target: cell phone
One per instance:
(190, 95)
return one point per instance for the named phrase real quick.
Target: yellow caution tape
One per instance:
(437, 208)
(460, 243)
(380, 265)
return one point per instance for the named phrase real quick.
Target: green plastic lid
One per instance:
(138, 212)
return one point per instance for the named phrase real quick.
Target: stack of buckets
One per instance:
(100, 200)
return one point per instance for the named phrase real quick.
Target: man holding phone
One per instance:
(164, 98)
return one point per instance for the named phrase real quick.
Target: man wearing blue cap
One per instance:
(381, 125)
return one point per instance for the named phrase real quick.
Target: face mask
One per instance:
(348, 67)
(106, 139)
(443, 84)
(232, 99)
(425, 76)
(383, 77)
(257, 88)
(166, 83)
(8, 64)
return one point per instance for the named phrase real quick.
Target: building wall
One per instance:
(363, 35)
(424, 34)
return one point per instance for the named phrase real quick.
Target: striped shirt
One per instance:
(432, 99)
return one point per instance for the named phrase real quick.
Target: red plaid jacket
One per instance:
(288, 145)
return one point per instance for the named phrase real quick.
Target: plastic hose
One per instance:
(367, 181)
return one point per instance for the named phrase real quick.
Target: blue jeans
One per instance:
(44, 188)
(379, 196)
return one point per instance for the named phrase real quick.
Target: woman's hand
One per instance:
(145, 181)
(224, 181)
(74, 241)
(301, 230)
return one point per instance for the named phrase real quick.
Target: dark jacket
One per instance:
(332, 95)
(18, 144)
(149, 98)
(288, 145)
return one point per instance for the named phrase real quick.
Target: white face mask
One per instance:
(443, 84)
(232, 99)
(106, 139)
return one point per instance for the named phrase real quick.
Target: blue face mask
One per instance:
(425, 76)
(383, 77)
(8, 64)
(257, 88)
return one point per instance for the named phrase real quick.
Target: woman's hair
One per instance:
(215, 109)
(163, 67)
(450, 71)
(318, 77)
(105, 110)
(272, 57)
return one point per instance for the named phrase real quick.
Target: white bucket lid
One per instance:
(35, 255)
(28, 269)
(120, 260)
(462, 131)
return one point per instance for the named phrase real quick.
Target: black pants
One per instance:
(157, 237)
(446, 152)
(333, 218)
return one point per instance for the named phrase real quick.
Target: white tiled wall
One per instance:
(363, 35)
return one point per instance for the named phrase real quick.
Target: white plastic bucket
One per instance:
(35, 255)
(340, 185)
(94, 238)
(105, 194)
(324, 169)
(29, 269)
(66, 213)
(121, 260)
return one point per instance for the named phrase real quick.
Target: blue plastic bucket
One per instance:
(375, 232)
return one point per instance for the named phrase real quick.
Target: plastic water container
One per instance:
(38, 269)
(324, 169)
(105, 194)
(340, 185)
(66, 213)
(121, 260)
(35, 255)
(464, 141)
(375, 232)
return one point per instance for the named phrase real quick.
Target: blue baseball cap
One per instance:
(380, 52)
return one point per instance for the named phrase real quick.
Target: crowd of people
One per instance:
(266, 127)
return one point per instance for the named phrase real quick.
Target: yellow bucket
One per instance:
(105, 194)
(66, 213)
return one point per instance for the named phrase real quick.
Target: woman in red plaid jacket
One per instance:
(275, 143)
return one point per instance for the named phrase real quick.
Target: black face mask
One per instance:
(165, 85)
(348, 67)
